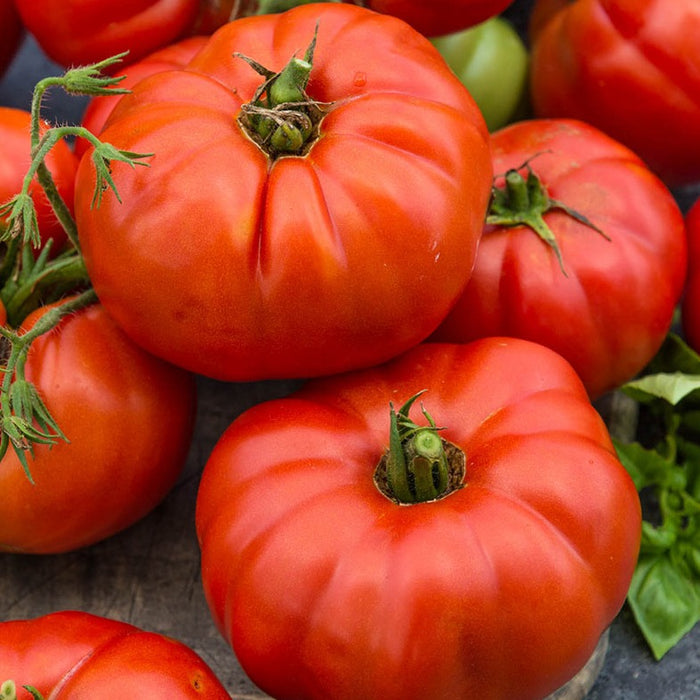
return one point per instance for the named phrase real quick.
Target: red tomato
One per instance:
(240, 265)
(630, 68)
(73, 655)
(15, 157)
(10, 33)
(437, 17)
(173, 56)
(691, 299)
(128, 418)
(326, 588)
(78, 32)
(608, 310)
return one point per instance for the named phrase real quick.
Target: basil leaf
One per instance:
(664, 602)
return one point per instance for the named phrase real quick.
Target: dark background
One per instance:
(149, 574)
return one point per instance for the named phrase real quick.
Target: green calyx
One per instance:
(281, 118)
(523, 201)
(419, 465)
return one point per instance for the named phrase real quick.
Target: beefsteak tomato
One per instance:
(15, 157)
(74, 655)
(10, 33)
(238, 257)
(690, 309)
(497, 588)
(429, 17)
(630, 68)
(128, 419)
(79, 32)
(603, 299)
(174, 56)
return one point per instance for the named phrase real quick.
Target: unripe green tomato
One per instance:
(492, 61)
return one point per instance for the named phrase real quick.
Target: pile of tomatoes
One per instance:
(454, 240)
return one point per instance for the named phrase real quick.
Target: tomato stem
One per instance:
(523, 201)
(281, 118)
(417, 465)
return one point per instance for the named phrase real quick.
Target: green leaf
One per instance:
(675, 355)
(672, 387)
(664, 601)
(646, 467)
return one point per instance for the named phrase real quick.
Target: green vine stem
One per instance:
(419, 465)
(33, 278)
(8, 691)
(24, 417)
(523, 201)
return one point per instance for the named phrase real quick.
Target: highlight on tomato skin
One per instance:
(75, 655)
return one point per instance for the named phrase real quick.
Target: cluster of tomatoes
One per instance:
(314, 194)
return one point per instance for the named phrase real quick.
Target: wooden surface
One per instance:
(149, 575)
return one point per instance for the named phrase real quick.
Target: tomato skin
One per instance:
(611, 311)
(15, 158)
(10, 33)
(305, 266)
(73, 32)
(626, 67)
(438, 17)
(690, 309)
(492, 62)
(76, 655)
(129, 419)
(174, 56)
(327, 589)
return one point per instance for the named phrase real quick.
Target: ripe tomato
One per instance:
(128, 418)
(71, 655)
(78, 32)
(499, 589)
(14, 163)
(240, 264)
(10, 33)
(630, 68)
(174, 56)
(438, 17)
(610, 302)
(691, 299)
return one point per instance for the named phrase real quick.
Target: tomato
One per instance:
(10, 33)
(78, 32)
(607, 305)
(14, 163)
(430, 17)
(174, 56)
(76, 655)
(497, 589)
(690, 309)
(128, 418)
(630, 68)
(243, 264)
(436, 17)
(492, 61)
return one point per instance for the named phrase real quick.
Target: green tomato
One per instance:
(492, 61)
